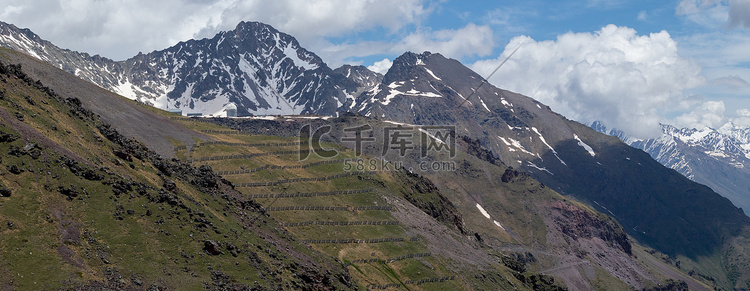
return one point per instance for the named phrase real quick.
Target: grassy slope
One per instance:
(385, 185)
(78, 215)
(523, 206)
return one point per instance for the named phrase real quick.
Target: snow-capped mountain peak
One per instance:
(262, 70)
(718, 158)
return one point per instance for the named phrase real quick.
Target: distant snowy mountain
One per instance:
(261, 70)
(718, 158)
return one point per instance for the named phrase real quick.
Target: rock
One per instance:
(35, 153)
(123, 154)
(212, 247)
(29, 147)
(170, 185)
(7, 137)
(576, 222)
(15, 151)
(92, 175)
(137, 281)
(5, 192)
(511, 175)
(14, 169)
(70, 192)
(232, 249)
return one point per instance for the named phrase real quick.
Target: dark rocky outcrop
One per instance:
(576, 223)
(426, 196)
(212, 248)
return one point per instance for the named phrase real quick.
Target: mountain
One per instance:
(481, 199)
(156, 132)
(261, 70)
(656, 205)
(503, 136)
(364, 78)
(86, 207)
(718, 158)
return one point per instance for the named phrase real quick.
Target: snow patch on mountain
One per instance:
(393, 92)
(515, 145)
(432, 74)
(483, 104)
(548, 146)
(484, 212)
(292, 54)
(539, 168)
(584, 146)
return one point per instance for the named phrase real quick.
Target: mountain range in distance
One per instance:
(718, 158)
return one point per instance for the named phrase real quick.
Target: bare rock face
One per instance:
(579, 223)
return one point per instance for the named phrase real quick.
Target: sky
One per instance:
(631, 64)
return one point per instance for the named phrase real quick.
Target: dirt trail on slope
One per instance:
(130, 119)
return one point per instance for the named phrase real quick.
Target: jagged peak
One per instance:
(404, 65)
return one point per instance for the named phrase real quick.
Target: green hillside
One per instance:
(85, 207)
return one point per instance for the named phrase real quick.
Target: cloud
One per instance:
(743, 117)
(708, 13)
(325, 18)
(470, 40)
(730, 82)
(708, 114)
(119, 29)
(381, 66)
(716, 13)
(613, 75)
(642, 15)
(739, 13)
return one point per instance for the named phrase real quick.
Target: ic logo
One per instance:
(309, 141)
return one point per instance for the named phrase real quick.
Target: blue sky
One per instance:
(631, 64)
(544, 20)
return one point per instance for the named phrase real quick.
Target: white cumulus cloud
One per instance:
(708, 114)
(470, 40)
(626, 80)
(381, 66)
(743, 117)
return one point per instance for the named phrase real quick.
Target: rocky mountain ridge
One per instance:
(430, 90)
(261, 70)
(718, 158)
